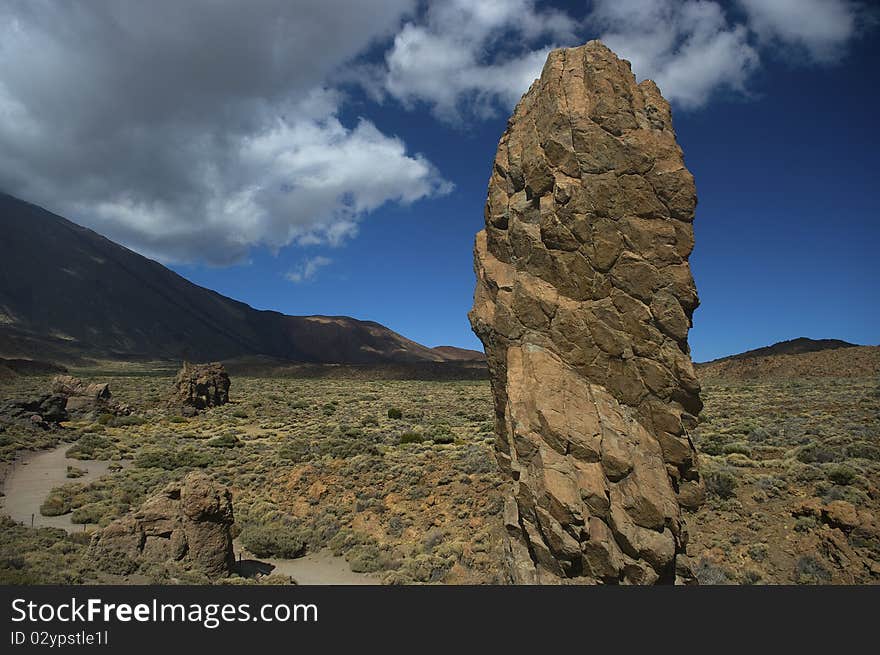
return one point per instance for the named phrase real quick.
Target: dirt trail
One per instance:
(30, 479)
(321, 568)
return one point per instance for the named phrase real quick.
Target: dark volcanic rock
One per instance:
(45, 411)
(200, 386)
(583, 302)
(187, 522)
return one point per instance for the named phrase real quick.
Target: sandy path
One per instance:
(321, 568)
(30, 479)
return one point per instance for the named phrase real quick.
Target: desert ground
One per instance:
(357, 481)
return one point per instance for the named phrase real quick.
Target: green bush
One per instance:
(225, 441)
(816, 454)
(273, 540)
(74, 472)
(411, 437)
(92, 446)
(55, 504)
(88, 514)
(395, 413)
(737, 448)
(125, 421)
(841, 474)
(171, 459)
(105, 419)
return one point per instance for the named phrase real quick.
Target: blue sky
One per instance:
(338, 164)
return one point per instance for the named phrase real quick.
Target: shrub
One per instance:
(55, 504)
(296, 450)
(273, 540)
(411, 437)
(240, 413)
(105, 419)
(816, 454)
(91, 446)
(841, 474)
(863, 450)
(442, 434)
(124, 421)
(88, 514)
(721, 483)
(74, 472)
(395, 413)
(708, 573)
(224, 441)
(737, 448)
(809, 571)
(170, 459)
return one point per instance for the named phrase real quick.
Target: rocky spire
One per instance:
(583, 302)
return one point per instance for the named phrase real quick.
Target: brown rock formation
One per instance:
(83, 398)
(200, 386)
(583, 302)
(186, 522)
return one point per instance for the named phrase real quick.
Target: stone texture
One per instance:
(44, 411)
(87, 399)
(200, 386)
(583, 303)
(187, 522)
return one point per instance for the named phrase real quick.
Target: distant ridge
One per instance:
(797, 358)
(69, 294)
(790, 347)
(452, 353)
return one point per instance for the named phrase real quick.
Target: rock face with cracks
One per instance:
(200, 386)
(583, 302)
(187, 522)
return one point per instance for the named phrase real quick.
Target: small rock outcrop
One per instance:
(200, 386)
(187, 522)
(44, 411)
(87, 399)
(583, 303)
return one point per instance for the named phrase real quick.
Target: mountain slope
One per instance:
(790, 347)
(798, 358)
(67, 292)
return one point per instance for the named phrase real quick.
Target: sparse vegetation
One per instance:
(400, 479)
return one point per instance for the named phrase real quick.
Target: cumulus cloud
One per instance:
(308, 269)
(443, 59)
(197, 130)
(820, 27)
(466, 59)
(689, 48)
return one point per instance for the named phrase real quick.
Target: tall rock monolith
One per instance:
(583, 302)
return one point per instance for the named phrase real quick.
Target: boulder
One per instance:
(44, 411)
(583, 302)
(187, 522)
(200, 386)
(87, 399)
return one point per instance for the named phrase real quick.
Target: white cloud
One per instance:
(198, 130)
(689, 48)
(443, 59)
(821, 27)
(308, 269)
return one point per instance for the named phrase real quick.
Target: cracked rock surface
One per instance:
(583, 302)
